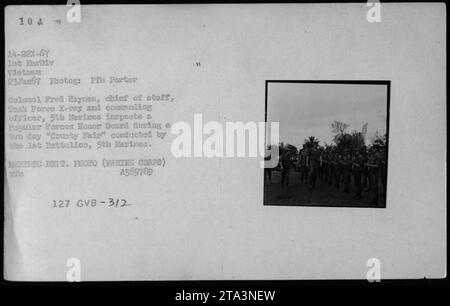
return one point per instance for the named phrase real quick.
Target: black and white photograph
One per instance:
(220, 152)
(333, 145)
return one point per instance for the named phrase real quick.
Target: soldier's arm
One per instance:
(371, 165)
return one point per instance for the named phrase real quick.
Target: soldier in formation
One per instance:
(345, 169)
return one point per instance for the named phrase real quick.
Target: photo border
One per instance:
(357, 82)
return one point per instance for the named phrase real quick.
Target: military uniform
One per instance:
(303, 166)
(286, 164)
(383, 172)
(336, 171)
(357, 169)
(313, 166)
(325, 166)
(374, 176)
(330, 169)
(346, 172)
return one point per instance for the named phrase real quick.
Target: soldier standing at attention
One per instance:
(325, 166)
(346, 170)
(374, 175)
(335, 165)
(337, 169)
(321, 164)
(303, 165)
(358, 164)
(330, 168)
(286, 165)
(383, 171)
(365, 171)
(314, 165)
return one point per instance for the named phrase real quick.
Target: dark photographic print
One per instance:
(333, 143)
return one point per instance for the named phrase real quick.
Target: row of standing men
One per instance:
(359, 169)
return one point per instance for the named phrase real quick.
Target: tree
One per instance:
(339, 127)
(291, 148)
(350, 142)
(364, 130)
(311, 142)
(357, 141)
(378, 141)
(283, 148)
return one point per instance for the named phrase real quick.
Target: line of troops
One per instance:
(337, 168)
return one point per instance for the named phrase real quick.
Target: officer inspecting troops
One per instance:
(344, 168)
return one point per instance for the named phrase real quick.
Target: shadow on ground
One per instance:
(323, 194)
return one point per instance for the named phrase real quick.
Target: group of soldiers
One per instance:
(361, 169)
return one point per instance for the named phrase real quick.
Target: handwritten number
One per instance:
(117, 202)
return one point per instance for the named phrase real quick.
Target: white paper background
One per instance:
(204, 218)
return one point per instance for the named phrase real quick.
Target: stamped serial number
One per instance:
(110, 202)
